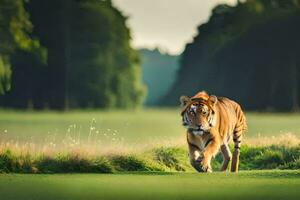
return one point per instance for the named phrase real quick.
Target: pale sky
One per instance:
(168, 24)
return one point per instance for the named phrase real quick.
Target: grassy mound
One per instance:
(157, 159)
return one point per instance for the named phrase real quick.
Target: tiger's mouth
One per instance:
(196, 131)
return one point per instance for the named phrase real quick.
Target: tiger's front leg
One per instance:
(195, 157)
(210, 151)
(208, 154)
(201, 160)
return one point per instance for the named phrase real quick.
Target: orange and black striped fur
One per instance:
(211, 122)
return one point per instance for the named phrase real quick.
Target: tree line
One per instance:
(67, 54)
(249, 52)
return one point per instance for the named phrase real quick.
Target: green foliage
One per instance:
(291, 165)
(245, 51)
(15, 27)
(105, 64)
(249, 154)
(158, 159)
(6, 162)
(5, 74)
(10, 162)
(15, 34)
(88, 60)
(269, 159)
(72, 164)
(172, 157)
(132, 163)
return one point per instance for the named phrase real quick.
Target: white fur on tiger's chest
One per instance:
(199, 140)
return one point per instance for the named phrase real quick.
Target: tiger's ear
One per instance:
(184, 100)
(212, 100)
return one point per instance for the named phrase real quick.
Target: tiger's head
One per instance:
(198, 112)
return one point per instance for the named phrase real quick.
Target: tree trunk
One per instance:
(294, 88)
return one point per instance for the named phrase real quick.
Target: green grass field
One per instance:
(245, 185)
(132, 127)
(141, 126)
(138, 129)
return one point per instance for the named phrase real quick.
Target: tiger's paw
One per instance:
(206, 168)
(201, 165)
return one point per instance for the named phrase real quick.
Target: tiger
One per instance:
(211, 122)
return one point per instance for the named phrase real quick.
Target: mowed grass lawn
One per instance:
(245, 185)
(130, 127)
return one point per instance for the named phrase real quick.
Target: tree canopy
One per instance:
(15, 29)
(249, 52)
(90, 62)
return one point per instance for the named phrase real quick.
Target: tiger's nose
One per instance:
(200, 128)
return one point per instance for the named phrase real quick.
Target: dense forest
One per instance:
(15, 29)
(67, 54)
(158, 73)
(76, 54)
(249, 52)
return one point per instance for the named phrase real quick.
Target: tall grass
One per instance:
(283, 153)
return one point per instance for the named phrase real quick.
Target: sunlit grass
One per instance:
(161, 158)
(121, 132)
(150, 139)
(130, 127)
(140, 127)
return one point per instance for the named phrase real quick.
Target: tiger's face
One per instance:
(198, 116)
